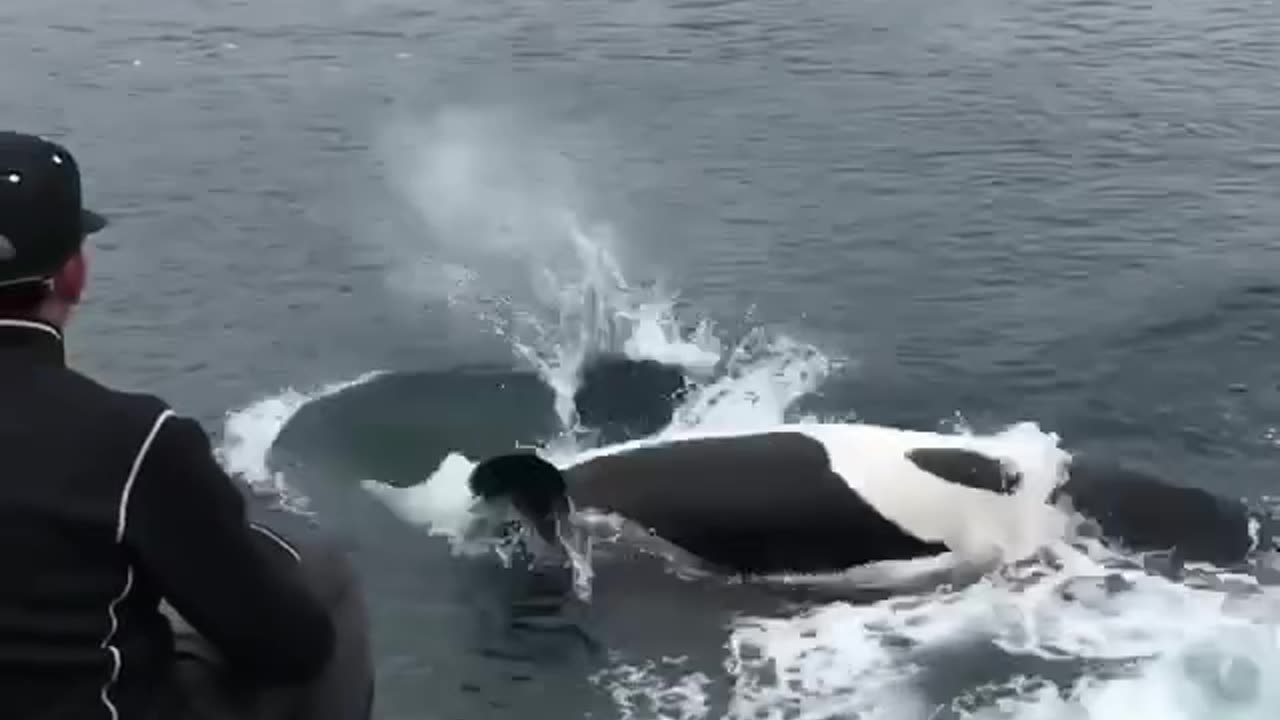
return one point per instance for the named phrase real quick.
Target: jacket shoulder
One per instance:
(128, 405)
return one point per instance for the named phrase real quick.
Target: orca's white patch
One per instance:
(977, 525)
(7, 250)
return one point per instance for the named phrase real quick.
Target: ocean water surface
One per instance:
(369, 242)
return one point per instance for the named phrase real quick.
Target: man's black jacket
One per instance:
(110, 503)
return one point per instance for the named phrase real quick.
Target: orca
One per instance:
(397, 423)
(824, 498)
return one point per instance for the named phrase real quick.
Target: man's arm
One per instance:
(186, 523)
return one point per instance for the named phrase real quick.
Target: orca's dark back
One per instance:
(757, 504)
(1145, 513)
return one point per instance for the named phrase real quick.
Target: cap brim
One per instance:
(91, 222)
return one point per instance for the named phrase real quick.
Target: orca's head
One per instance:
(533, 486)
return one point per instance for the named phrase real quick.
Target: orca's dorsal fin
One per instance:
(533, 486)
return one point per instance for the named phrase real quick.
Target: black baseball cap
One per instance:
(42, 217)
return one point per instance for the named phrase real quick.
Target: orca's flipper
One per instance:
(533, 486)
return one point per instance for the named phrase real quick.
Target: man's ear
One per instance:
(69, 283)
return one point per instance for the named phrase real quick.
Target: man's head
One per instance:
(43, 224)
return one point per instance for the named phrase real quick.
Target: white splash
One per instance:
(639, 693)
(764, 375)
(1172, 651)
(442, 503)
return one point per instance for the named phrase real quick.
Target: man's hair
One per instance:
(22, 301)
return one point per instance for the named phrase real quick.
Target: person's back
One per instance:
(72, 613)
(112, 503)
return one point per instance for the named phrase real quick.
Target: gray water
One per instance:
(1063, 212)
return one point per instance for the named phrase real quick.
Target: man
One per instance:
(118, 527)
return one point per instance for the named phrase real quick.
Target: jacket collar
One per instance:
(37, 337)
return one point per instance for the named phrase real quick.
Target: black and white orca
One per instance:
(810, 498)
